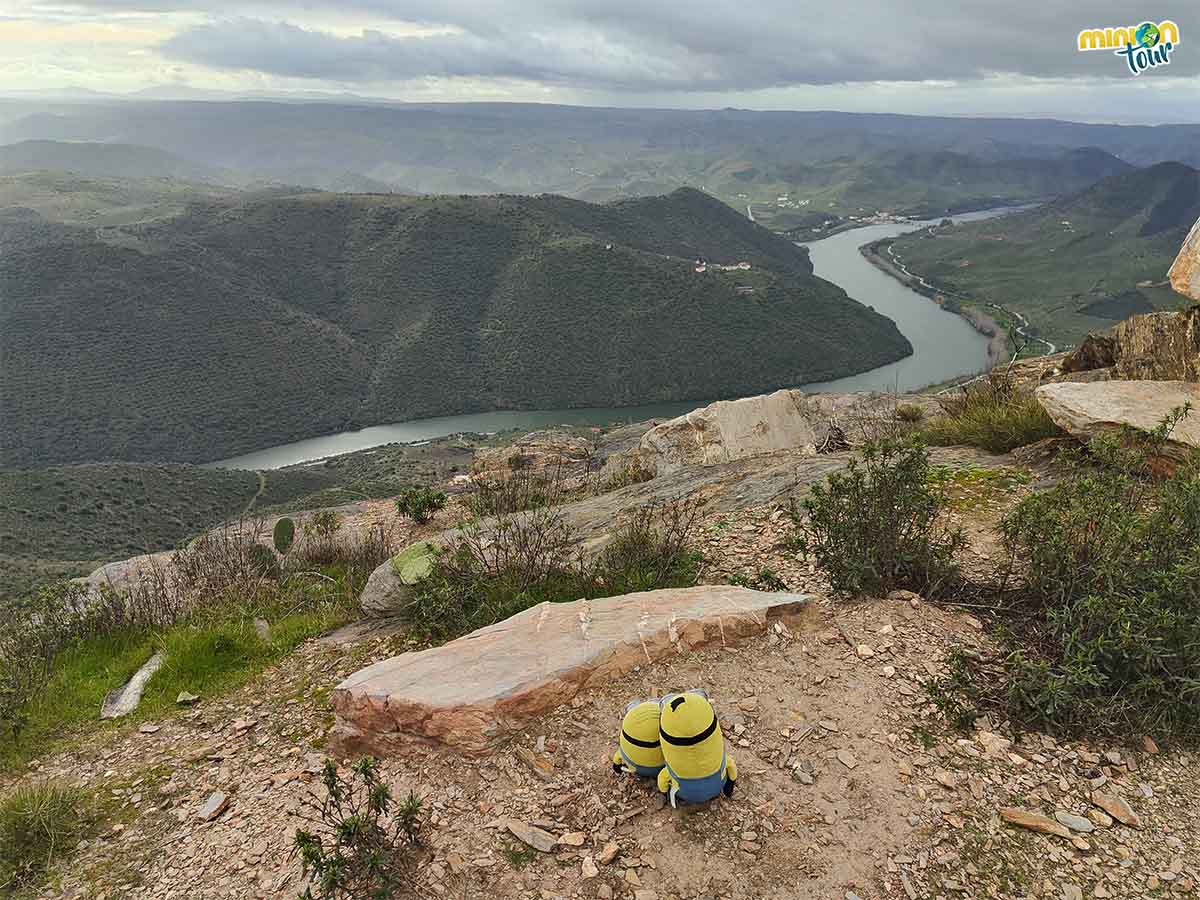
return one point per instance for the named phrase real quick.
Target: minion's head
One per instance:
(639, 736)
(692, 743)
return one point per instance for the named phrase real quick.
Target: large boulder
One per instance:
(1185, 273)
(472, 693)
(394, 583)
(786, 420)
(1089, 410)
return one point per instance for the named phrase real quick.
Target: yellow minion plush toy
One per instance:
(639, 751)
(696, 768)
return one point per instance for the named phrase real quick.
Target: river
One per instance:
(944, 347)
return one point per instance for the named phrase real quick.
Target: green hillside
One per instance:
(1075, 265)
(239, 325)
(63, 521)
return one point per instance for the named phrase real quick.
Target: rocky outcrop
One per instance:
(1185, 273)
(1089, 410)
(543, 452)
(786, 420)
(1162, 346)
(471, 694)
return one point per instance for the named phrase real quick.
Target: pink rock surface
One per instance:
(470, 694)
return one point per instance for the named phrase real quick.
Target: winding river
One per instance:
(944, 346)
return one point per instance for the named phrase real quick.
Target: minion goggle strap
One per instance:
(694, 739)
(649, 745)
(666, 700)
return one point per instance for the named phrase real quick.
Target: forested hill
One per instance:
(249, 322)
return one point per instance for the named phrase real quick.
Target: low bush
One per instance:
(523, 489)
(992, 414)
(875, 526)
(39, 823)
(361, 842)
(1105, 625)
(521, 559)
(765, 579)
(910, 413)
(420, 503)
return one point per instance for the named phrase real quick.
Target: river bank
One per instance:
(999, 349)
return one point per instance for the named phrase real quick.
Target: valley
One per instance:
(1077, 264)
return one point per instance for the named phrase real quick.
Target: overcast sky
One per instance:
(968, 57)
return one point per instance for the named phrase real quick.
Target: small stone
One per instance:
(590, 869)
(1075, 823)
(149, 729)
(217, 803)
(946, 779)
(532, 836)
(1101, 819)
(748, 704)
(645, 895)
(1148, 745)
(1117, 808)
(865, 651)
(1072, 892)
(889, 671)
(609, 853)
(604, 892)
(1080, 844)
(847, 759)
(186, 699)
(573, 839)
(262, 629)
(1033, 821)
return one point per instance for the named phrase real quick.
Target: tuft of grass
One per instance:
(991, 414)
(206, 652)
(40, 823)
(910, 413)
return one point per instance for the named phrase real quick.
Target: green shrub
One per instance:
(1106, 631)
(324, 523)
(284, 535)
(39, 823)
(910, 412)
(361, 846)
(991, 414)
(874, 526)
(526, 558)
(420, 503)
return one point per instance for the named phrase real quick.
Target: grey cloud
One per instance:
(642, 45)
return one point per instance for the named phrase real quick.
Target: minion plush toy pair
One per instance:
(678, 741)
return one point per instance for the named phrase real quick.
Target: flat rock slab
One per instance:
(471, 694)
(1088, 410)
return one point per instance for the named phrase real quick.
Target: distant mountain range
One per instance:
(244, 321)
(821, 161)
(1074, 265)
